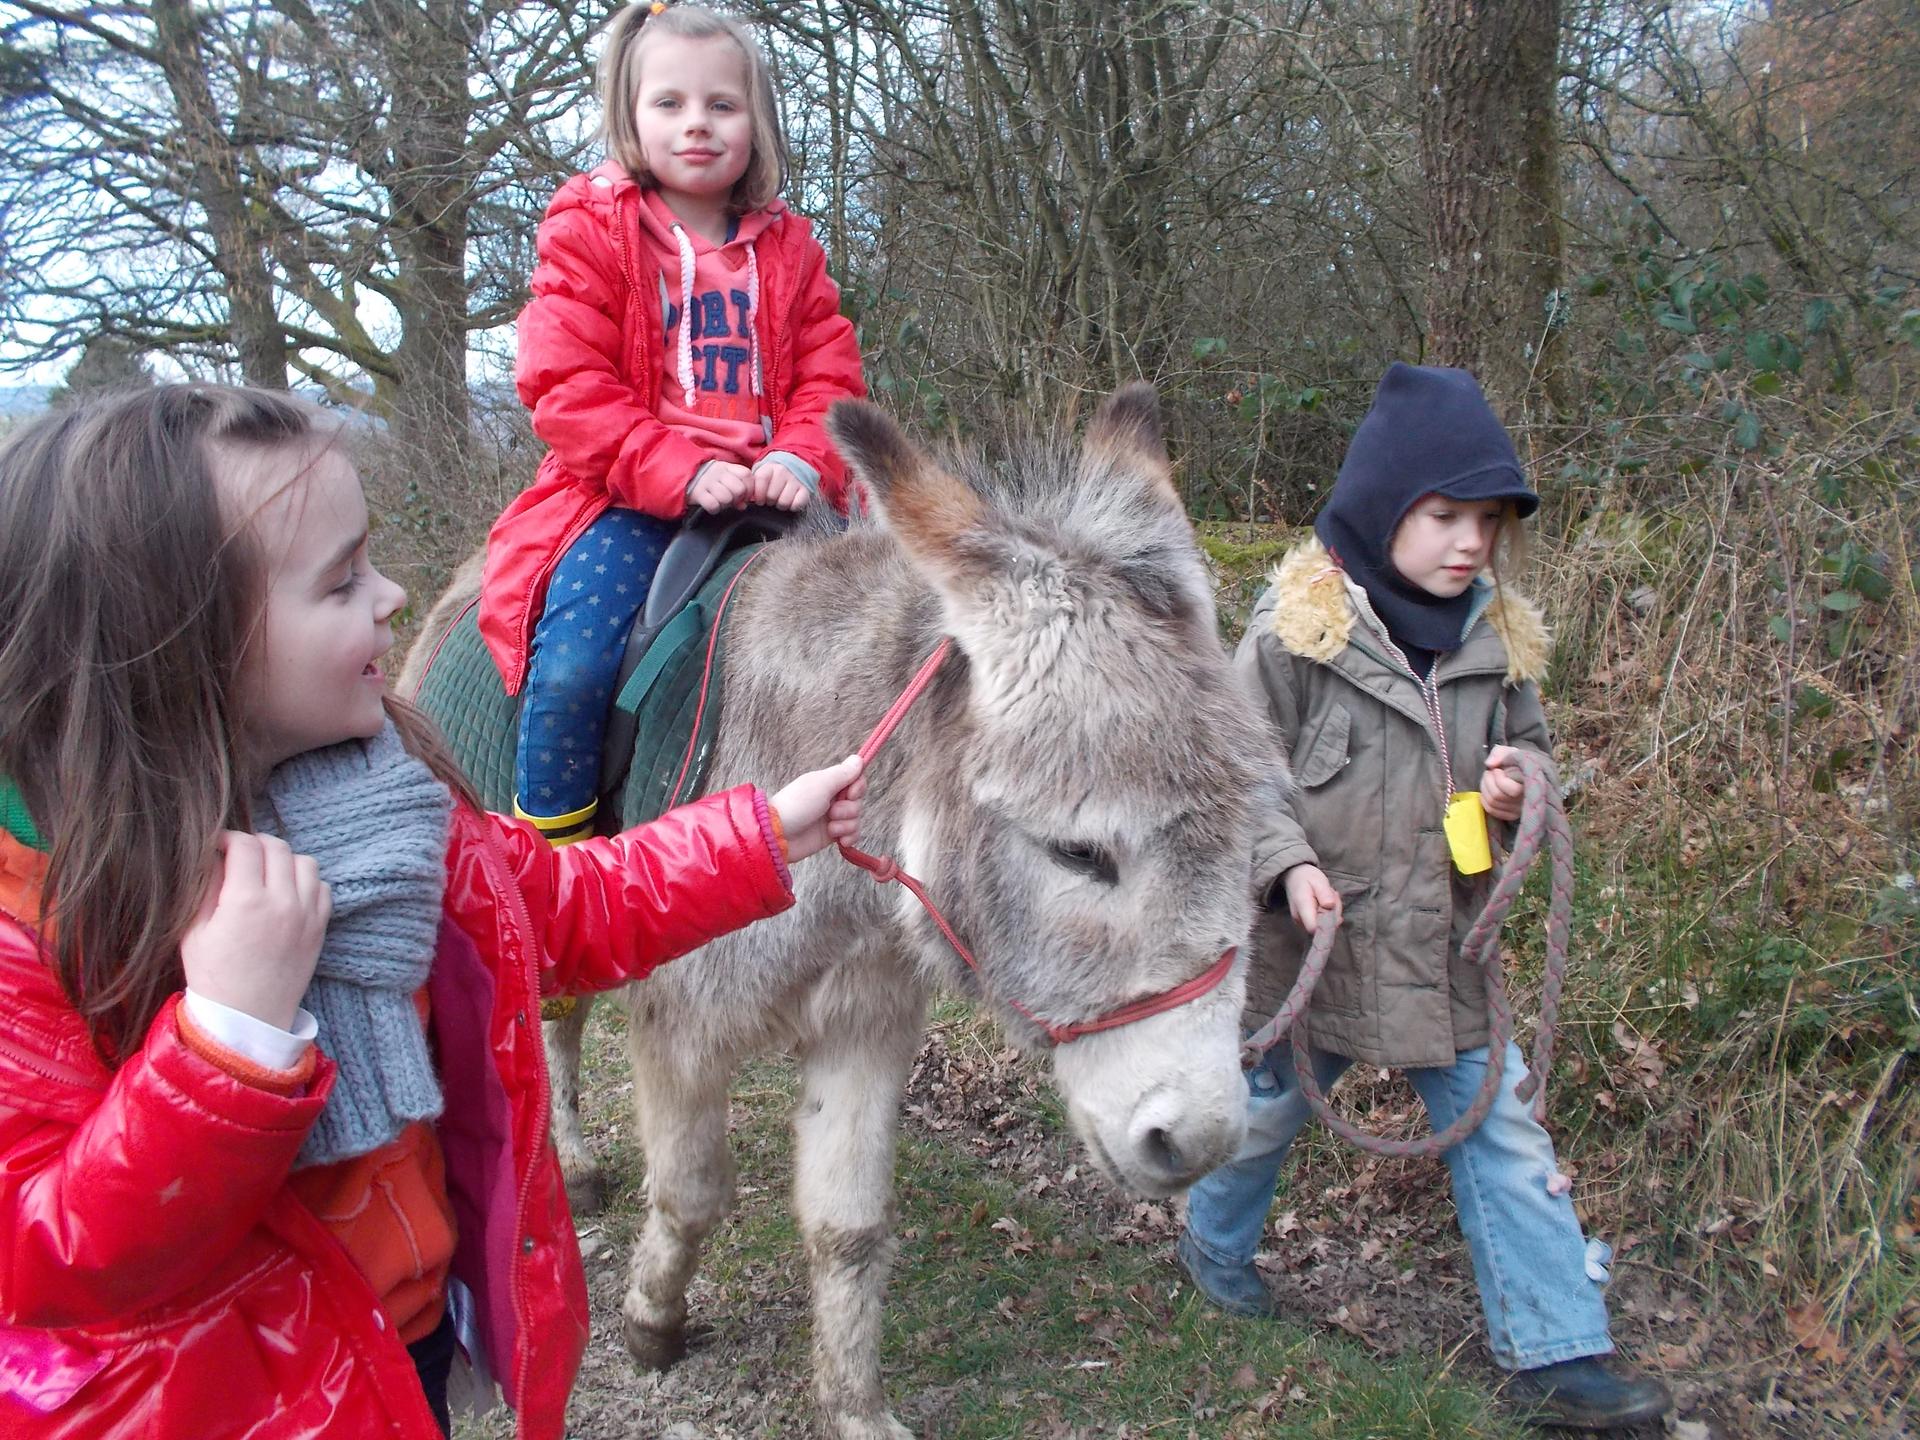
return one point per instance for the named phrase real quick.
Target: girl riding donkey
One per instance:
(273, 1126)
(681, 349)
(1398, 674)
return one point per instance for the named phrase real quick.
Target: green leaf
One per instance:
(1594, 283)
(1819, 314)
(1869, 584)
(1811, 700)
(1208, 347)
(1840, 600)
(1746, 431)
(1767, 384)
(1781, 627)
(1677, 322)
(1763, 351)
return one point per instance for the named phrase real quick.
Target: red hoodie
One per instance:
(591, 365)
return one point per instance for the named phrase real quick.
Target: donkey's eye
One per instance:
(1089, 860)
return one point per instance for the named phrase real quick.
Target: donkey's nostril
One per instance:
(1158, 1143)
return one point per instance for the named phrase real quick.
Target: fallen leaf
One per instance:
(1808, 1325)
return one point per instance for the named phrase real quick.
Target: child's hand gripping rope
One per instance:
(1541, 816)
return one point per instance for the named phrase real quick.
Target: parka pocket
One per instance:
(1344, 986)
(1326, 756)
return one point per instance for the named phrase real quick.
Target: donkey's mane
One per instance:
(1055, 494)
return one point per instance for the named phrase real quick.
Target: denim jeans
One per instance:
(1529, 1257)
(596, 591)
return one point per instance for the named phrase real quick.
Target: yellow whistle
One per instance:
(1466, 826)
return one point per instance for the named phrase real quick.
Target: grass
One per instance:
(1008, 1314)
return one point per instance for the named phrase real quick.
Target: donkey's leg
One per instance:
(681, 1119)
(854, 1074)
(585, 1191)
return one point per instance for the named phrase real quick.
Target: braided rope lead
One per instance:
(1542, 817)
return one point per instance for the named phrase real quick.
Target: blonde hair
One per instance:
(619, 86)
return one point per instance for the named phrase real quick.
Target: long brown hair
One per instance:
(619, 86)
(130, 601)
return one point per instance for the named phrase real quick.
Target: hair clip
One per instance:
(657, 8)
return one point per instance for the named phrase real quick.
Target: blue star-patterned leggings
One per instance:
(596, 591)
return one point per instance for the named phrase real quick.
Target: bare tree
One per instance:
(344, 191)
(1489, 152)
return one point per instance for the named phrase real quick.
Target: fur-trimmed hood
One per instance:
(1315, 609)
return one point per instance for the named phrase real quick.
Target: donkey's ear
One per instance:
(1125, 442)
(1129, 420)
(922, 503)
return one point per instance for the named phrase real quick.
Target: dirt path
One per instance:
(1365, 1253)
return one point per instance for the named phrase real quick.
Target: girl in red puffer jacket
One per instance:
(273, 1111)
(681, 349)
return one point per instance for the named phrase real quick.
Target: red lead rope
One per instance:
(884, 868)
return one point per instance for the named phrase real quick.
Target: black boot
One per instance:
(1237, 1289)
(1585, 1395)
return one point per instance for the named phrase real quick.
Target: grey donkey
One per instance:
(1075, 790)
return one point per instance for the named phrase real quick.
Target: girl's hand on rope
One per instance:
(254, 942)
(721, 484)
(1309, 895)
(774, 484)
(1503, 785)
(822, 807)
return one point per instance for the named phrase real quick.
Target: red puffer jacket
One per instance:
(589, 364)
(158, 1278)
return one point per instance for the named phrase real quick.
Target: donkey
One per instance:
(1073, 788)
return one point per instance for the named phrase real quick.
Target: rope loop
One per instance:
(1543, 821)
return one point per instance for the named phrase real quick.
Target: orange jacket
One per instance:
(159, 1278)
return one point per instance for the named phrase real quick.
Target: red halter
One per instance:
(883, 868)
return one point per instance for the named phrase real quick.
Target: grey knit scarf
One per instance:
(375, 821)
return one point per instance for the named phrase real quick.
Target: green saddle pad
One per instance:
(463, 693)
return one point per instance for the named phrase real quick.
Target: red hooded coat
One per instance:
(158, 1277)
(590, 364)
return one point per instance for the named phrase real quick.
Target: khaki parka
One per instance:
(1368, 803)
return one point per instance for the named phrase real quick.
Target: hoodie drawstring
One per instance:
(684, 366)
(753, 313)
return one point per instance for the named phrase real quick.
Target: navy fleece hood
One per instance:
(1430, 431)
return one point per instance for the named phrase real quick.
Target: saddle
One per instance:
(666, 706)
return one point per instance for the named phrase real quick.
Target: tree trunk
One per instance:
(1489, 157)
(239, 249)
(429, 182)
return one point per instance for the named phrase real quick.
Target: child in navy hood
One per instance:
(1430, 432)
(1400, 680)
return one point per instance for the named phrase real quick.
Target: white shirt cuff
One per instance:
(251, 1036)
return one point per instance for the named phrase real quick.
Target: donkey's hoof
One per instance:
(653, 1348)
(586, 1194)
(868, 1426)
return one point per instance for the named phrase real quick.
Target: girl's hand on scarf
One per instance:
(254, 941)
